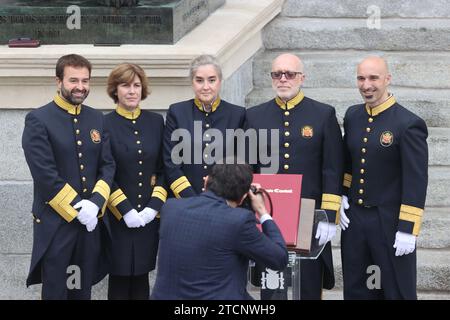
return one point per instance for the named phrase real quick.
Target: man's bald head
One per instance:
(373, 79)
(375, 63)
(287, 89)
(288, 59)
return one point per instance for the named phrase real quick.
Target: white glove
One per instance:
(405, 243)
(344, 221)
(89, 210)
(133, 219)
(148, 214)
(325, 231)
(90, 226)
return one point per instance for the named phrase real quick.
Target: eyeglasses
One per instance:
(277, 75)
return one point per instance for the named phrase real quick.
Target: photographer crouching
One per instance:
(206, 241)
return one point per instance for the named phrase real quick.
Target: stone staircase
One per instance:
(331, 37)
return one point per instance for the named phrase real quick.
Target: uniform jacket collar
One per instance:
(130, 115)
(382, 107)
(291, 103)
(65, 105)
(201, 106)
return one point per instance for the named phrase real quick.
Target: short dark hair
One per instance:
(230, 181)
(125, 73)
(72, 60)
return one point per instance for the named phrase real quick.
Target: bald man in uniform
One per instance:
(385, 183)
(310, 143)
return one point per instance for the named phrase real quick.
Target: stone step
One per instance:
(340, 34)
(433, 105)
(337, 69)
(433, 270)
(434, 231)
(359, 9)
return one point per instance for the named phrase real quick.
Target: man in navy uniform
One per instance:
(310, 143)
(386, 174)
(206, 241)
(72, 168)
(204, 115)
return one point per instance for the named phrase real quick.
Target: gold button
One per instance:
(38, 220)
(77, 131)
(136, 132)
(75, 120)
(140, 173)
(286, 144)
(204, 178)
(84, 179)
(139, 196)
(286, 113)
(360, 201)
(286, 155)
(80, 155)
(81, 167)
(361, 191)
(286, 167)
(363, 160)
(138, 142)
(286, 124)
(134, 121)
(139, 206)
(365, 139)
(362, 171)
(203, 189)
(207, 114)
(368, 129)
(207, 144)
(140, 161)
(207, 135)
(206, 156)
(139, 151)
(287, 133)
(207, 125)
(361, 181)
(84, 190)
(363, 150)
(205, 167)
(370, 120)
(79, 142)
(140, 184)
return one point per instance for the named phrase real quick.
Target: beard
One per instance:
(70, 95)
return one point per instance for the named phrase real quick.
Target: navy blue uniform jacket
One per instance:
(136, 145)
(186, 179)
(387, 168)
(69, 157)
(310, 143)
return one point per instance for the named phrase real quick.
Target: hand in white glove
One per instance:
(133, 219)
(90, 226)
(89, 210)
(405, 243)
(148, 214)
(344, 221)
(325, 232)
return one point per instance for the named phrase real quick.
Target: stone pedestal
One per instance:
(89, 22)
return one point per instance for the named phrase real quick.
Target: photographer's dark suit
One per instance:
(205, 247)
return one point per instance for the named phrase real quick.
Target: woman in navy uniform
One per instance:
(138, 189)
(385, 181)
(207, 111)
